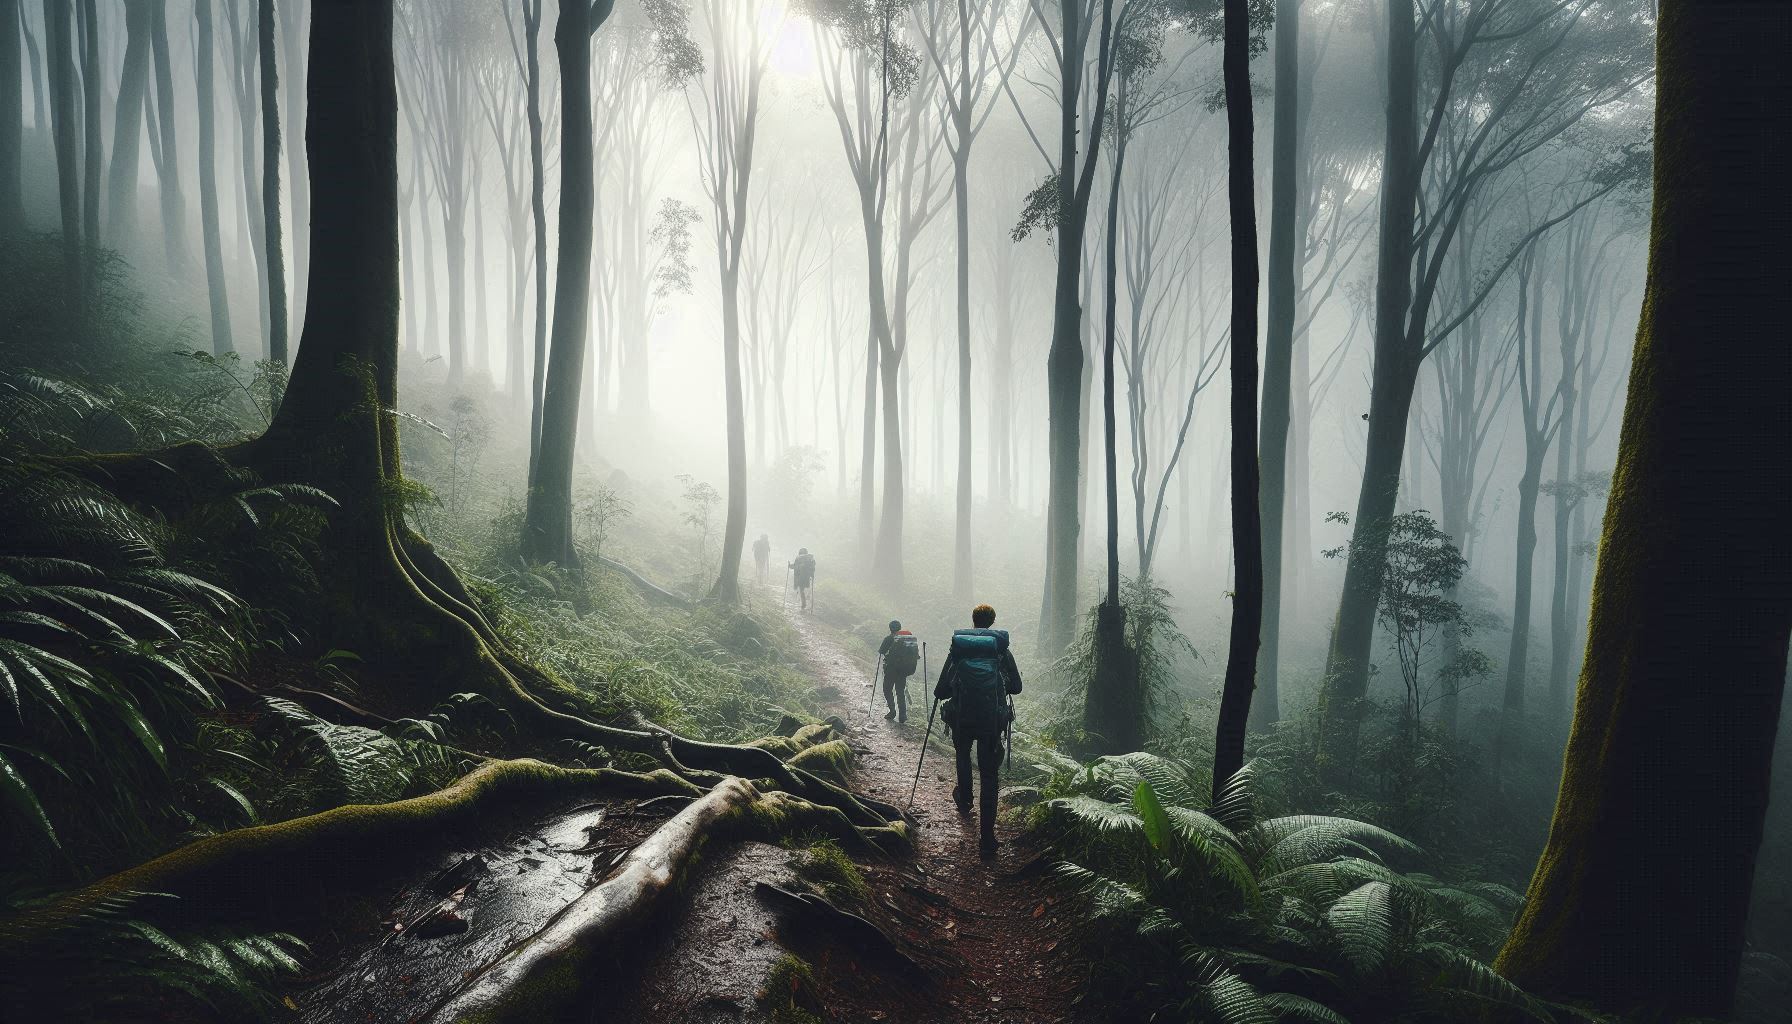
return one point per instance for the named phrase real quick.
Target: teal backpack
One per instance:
(980, 694)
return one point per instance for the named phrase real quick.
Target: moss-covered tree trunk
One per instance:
(1639, 901)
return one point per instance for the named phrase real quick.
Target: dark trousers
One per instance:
(896, 694)
(989, 766)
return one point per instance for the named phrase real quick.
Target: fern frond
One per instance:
(1362, 923)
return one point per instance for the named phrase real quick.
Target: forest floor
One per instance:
(940, 936)
(989, 939)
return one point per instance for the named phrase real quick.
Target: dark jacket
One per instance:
(949, 671)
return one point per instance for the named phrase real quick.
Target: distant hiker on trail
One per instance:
(976, 680)
(901, 653)
(762, 555)
(804, 567)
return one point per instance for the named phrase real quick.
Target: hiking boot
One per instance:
(889, 714)
(962, 802)
(986, 847)
(901, 719)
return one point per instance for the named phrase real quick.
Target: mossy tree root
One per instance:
(270, 874)
(406, 610)
(523, 685)
(556, 973)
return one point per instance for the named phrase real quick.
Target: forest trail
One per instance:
(940, 937)
(991, 938)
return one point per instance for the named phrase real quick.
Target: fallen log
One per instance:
(563, 966)
(643, 584)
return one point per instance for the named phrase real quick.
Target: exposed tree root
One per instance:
(547, 975)
(645, 585)
(277, 872)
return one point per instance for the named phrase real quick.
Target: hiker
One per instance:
(901, 654)
(976, 680)
(762, 555)
(804, 567)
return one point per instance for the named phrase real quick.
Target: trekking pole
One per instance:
(923, 671)
(787, 588)
(923, 759)
(1008, 748)
(871, 705)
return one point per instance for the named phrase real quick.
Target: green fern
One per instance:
(109, 962)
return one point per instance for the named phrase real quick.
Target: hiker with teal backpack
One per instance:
(901, 654)
(976, 682)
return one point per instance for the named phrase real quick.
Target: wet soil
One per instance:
(980, 942)
(943, 936)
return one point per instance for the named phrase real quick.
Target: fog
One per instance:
(1455, 333)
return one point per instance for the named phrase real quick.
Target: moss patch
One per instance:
(831, 760)
(789, 994)
(827, 866)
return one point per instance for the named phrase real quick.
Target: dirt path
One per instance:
(1005, 921)
(990, 937)
(942, 936)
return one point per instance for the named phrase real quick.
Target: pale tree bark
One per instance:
(174, 204)
(211, 240)
(724, 110)
(127, 126)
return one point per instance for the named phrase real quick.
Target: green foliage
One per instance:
(109, 963)
(1298, 918)
(93, 628)
(595, 515)
(1153, 636)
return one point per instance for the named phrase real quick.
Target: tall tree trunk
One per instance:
(1680, 696)
(1113, 707)
(92, 148)
(128, 125)
(292, 25)
(886, 565)
(1567, 497)
(1539, 428)
(1247, 527)
(12, 119)
(254, 214)
(213, 244)
(1278, 348)
(868, 447)
(962, 567)
(59, 47)
(270, 182)
(547, 525)
(538, 206)
(1346, 682)
(174, 203)
(1064, 362)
